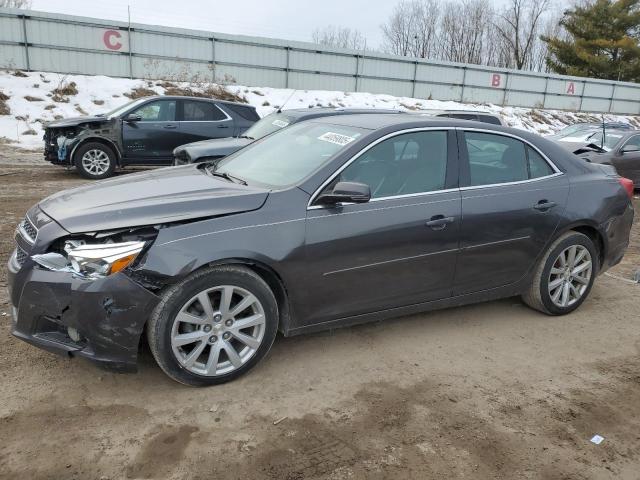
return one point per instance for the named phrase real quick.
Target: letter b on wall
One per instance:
(496, 80)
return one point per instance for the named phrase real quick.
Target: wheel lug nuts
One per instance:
(228, 323)
(213, 339)
(226, 336)
(207, 328)
(217, 317)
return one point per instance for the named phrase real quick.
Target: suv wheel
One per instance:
(564, 276)
(213, 326)
(95, 160)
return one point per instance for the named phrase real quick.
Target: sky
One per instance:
(288, 19)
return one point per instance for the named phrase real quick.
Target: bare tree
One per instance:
(25, 4)
(400, 30)
(465, 31)
(519, 28)
(340, 37)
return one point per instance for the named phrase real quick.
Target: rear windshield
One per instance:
(268, 125)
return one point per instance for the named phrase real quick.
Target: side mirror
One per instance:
(347, 192)
(630, 149)
(132, 118)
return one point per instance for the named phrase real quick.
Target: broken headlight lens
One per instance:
(102, 260)
(93, 261)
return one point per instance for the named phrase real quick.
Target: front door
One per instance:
(512, 201)
(398, 249)
(152, 138)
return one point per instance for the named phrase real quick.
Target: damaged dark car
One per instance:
(142, 132)
(327, 223)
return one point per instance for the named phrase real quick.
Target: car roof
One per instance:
(449, 112)
(375, 122)
(186, 97)
(302, 113)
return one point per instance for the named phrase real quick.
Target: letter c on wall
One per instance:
(109, 41)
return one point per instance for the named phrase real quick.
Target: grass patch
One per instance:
(4, 108)
(140, 92)
(63, 91)
(218, 92)
(98, 102)
(19, 73)
(31, 131)
(29, 98)
(80, 110)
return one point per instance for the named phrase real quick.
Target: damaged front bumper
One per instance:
(105, 316)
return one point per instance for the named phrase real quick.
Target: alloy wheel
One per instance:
(570, 276)
(96, 162)
(218, 330)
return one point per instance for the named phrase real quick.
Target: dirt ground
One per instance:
(487, 391)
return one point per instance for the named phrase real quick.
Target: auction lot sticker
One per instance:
(336, 138)
(280, 123)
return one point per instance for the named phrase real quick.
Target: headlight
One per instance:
(92, 261)
(102, 260)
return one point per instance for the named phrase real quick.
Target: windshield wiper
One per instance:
(226, 176)
(247, 137)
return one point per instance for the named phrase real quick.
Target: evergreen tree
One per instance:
(601, 41)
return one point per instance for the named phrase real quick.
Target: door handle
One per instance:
(223, 126)
(439, 222)
(170, 127)
(544, 205)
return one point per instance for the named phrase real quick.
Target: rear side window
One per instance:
(194, 111)
(538, 166)
(495, 159)
(245, 111)
(489, 119)
(463, 116)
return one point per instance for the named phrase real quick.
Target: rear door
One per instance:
(512, 201)
(627, 164)
(151, 140)
(202, 120)
(398, 249)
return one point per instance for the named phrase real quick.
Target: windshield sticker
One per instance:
(280, 123)
(336, 138)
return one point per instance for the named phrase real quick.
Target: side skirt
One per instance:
(457, 301)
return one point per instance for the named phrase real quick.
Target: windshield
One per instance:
(571, 129)
(290, 155)
(123, 108)
(268, 125)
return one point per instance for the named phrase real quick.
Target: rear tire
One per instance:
(95, 161)
(561, 283)
(198, 338)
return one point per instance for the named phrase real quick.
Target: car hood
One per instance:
(161, 196)
(217, 147)
(75, 121)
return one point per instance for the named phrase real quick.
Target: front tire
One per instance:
(564, 276)
(95, 161)
(214, 326)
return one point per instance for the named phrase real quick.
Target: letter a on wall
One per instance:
(571, 88)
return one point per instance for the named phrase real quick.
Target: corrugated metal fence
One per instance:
(33, 40)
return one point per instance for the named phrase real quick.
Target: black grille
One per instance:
(29, 229)
(21, 256)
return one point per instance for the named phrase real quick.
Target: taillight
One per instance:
(627, 185)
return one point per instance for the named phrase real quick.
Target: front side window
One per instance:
(405, 164)
(157, 111)
(635, 141)
(495, 159)
(289, 155)
(195, 111)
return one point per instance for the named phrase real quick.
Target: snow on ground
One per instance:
(32, 103)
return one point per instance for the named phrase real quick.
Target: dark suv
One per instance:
(218, 148)
(142, 132)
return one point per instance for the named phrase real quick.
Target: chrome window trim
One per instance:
(628, 140)
(316, 193)
(519, 182)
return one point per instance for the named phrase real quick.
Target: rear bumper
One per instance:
(108, 314)
(618, 231)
